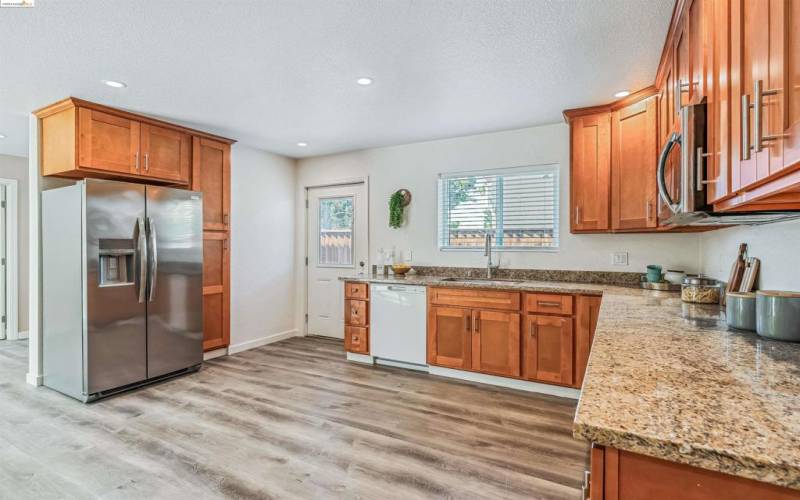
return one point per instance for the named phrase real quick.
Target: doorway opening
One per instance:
(9, 289)
(336, 246)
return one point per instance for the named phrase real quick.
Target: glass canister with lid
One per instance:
(700, 290)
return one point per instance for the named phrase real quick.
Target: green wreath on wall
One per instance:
(398, 201)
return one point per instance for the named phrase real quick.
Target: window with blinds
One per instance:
(518, 207)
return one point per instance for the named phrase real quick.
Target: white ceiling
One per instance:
(272, 73)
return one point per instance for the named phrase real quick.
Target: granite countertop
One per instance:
(671, 381)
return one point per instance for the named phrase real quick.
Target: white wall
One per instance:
(776, 245)
(416, 166)
(15, 167)
(262, 247)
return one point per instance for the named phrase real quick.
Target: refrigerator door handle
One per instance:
(141, 244)
(153, 261)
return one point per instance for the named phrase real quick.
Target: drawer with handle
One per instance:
(356, 339)
(474, 297)
(548, 303)
(354, 290)
(355, 312)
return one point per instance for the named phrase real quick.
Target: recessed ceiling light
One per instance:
(364, 80)
(302, 144)
(115, 84)
(2, 136)
(623, 93)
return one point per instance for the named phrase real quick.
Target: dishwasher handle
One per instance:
(399, 288)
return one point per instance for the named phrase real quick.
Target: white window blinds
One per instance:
(518, 207)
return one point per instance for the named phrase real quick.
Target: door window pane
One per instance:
(336, 231)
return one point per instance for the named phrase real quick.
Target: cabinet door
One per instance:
(108, 142)
(682, 70)
(719, 102)
(216, 290)
(756, 41)
(791, 84)
(548, 349)
(211, 174)
(449, 342)
(698, 50)
(590, 177)
(495, 343)
(355, 312)
(166, 153)
(633, 166)
(588, 309)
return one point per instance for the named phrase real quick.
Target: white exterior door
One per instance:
(337, 247)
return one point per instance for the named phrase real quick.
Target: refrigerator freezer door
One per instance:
(175, 270)
(116, 327)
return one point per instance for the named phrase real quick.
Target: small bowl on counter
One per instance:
(778, 315)
(700, 290)
(400, 269)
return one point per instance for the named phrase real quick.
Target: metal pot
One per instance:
(778, 315)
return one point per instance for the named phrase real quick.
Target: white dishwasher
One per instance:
(397, 325)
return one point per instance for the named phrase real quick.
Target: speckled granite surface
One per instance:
(670, 380)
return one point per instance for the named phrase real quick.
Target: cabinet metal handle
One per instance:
(136, 160)
(680, 88)
(467, 323)
(578, 214)
(225, 244)
(744, 132)
(698, 162)
(476, 322)
(758, 107)
(534, 327)
(647, 209)
(147, 161)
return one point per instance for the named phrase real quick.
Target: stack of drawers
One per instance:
(356, 317)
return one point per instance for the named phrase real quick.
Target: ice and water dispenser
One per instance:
(117, 262)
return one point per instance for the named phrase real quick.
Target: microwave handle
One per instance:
(675, 138)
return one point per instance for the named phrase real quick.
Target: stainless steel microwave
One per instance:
(689, 205)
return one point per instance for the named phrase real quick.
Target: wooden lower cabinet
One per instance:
(356, 317)
(495, 342)
(622, 475)
(545, 338)
(549, 349)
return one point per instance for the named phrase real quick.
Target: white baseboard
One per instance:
(269, 339)
(511, 383)
(216, 353)
(360, 358)
(22, 335)
(34, 379)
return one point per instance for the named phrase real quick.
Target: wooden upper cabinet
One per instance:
(633, 166)
(108, 142)
(84, 139)
(719, 100)
(548, 348)
(699, 48)
(590, 172)
(165, 153)
(496, 342)
(790, 128)
(449, 339)
(212, 175)
(683, 86)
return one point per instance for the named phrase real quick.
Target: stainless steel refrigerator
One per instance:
(122, 275)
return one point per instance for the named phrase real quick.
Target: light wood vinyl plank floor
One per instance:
(287, 420)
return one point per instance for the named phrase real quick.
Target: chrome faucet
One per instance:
(487, 252)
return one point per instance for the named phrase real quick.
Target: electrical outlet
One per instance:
(619, 258)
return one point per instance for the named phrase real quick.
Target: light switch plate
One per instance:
(619, 258)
